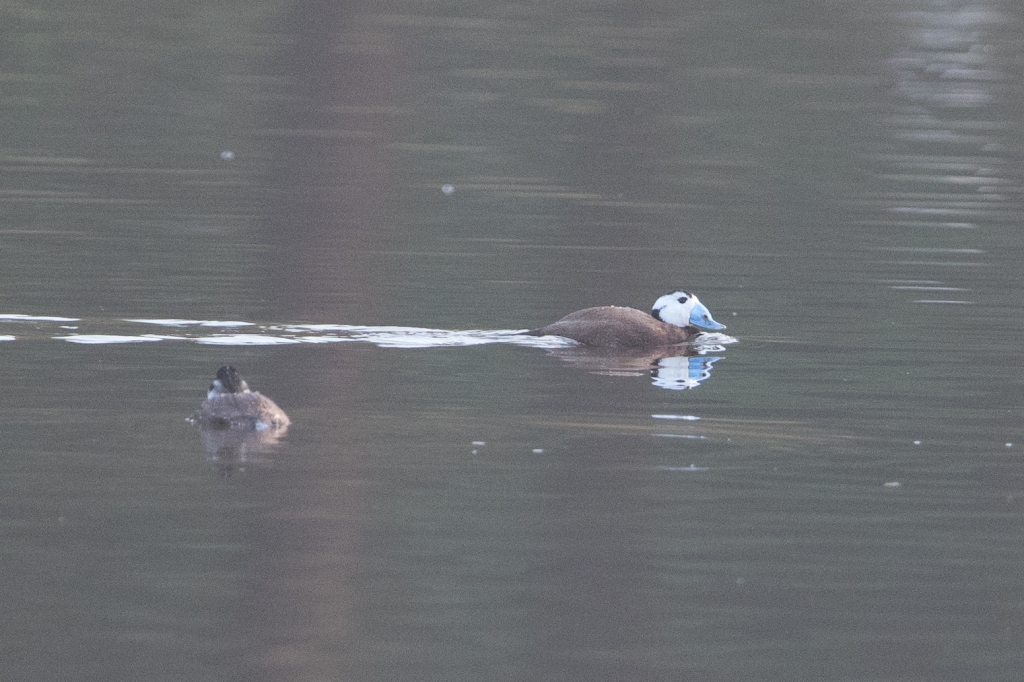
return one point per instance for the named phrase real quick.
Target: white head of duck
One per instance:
(681, 309)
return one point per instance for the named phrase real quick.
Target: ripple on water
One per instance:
(280, 334)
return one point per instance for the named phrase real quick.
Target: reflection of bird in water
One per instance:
(612, 361)
(675, 319)
(229, 450)
(674, 368)
(230, 403)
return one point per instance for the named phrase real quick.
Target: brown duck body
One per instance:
(230, 403)
(617, 327)
(247, 410)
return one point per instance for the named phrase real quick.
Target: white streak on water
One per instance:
(201, 323)
(680, 435)
(95, 339)
(14, 317)
(384, 337)
(244, 340)
(692, 467)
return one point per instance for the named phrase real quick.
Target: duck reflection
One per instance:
(229, 450)
(675, 368)
(237, 424)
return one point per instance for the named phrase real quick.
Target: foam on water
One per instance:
(119, 331)
(188, 323)
(244, 340)
(15, 317)
(96, 339)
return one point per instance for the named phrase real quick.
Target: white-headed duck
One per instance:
(675, 319)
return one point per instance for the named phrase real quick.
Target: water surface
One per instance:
(836, 496)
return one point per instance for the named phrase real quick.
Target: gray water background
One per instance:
(839, 182)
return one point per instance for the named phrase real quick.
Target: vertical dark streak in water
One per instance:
(322, 209)
(327, 188)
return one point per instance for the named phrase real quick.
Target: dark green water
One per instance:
(839, 182)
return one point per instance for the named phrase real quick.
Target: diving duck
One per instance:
(674, 319)
(230, 403)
